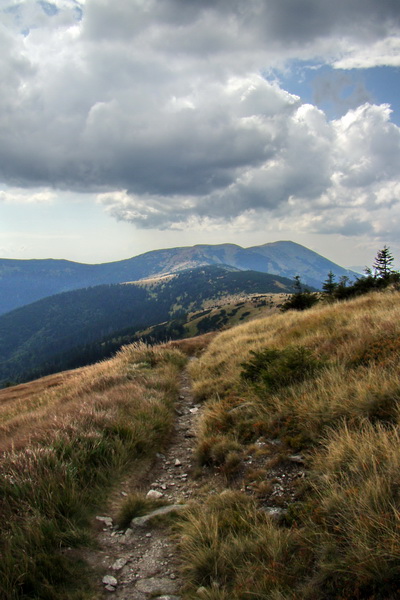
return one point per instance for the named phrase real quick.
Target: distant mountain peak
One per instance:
(24, 281)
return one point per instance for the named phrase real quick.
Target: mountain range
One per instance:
(25, 281)
(82, 326)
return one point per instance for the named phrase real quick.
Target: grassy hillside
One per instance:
(300, 428)
(302, 419)
(217, 314)
(76, 328)
(65, 441)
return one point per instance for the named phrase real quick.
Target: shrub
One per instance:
(273, 368)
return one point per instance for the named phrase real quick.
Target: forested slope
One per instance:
(75, 328)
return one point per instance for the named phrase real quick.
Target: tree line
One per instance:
(380, 276)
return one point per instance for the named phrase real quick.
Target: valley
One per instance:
(83, 326)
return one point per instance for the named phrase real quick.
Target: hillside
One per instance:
(25, 281)
(65, 442)
(75, 328)
(216, 315)
(302, 419)
(274, 456)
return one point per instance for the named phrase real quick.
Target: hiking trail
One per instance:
(142, 562)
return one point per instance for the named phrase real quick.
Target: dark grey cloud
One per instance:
(159, 107)
(279, 22)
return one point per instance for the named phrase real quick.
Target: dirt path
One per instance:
(143, 561)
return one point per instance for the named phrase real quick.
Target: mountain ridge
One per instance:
(25, 281)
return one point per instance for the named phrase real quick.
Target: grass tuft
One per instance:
(136, 505)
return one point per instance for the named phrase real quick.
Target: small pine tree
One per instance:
(301, 299)
(329, 286)
(383, 263)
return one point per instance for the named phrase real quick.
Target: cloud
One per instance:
(160, 107)
(342, 89)
(385, 52)
(327, 176)
(21, 196)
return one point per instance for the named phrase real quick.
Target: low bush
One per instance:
(274, 368)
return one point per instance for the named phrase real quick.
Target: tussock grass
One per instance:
(341, 541)
(136, 505)
(357, 344)
(86, 434)
(356, 525)
(234, 550)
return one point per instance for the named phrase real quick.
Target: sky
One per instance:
(133, 125)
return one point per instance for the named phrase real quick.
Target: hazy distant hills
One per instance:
(25, 281)
(77, 327)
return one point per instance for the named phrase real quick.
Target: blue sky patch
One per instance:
(335, 91)
(49, 8)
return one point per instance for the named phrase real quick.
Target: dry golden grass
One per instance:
(236, 551)
(192, 346)
(28, 410)
(61, 452)
(340, 332)
(357, 341)
(344, 541)
(356, 480)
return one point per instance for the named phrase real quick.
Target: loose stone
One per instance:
(119, 564)
(164, 510)
(154, 585)
(297, 458)
(154, 494)
(106, 520)
(110, 580)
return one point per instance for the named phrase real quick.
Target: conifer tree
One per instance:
(301, 299)
(329, 285)
(383, 263)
